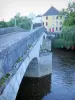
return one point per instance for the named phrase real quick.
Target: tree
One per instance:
(11, 23)
(69, 14)
(3, 24)
(70, 20)
(67, 37)
(25, 23)
(20, 21)
(71, 7)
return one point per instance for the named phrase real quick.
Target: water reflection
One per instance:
(34, 88)
(64, 66)
(63, 76)
(60, 87)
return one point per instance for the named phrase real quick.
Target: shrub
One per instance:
(66, 39)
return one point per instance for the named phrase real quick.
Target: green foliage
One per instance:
(69, 14)
(19, 21)
(66, 39)
(25, 23)
(11, 23)
(7, 75)
(68, 44)
(71, 7)
(2, 80)
(30, 46)
(59, 43)
(19, 59)
(70, 20)
(3, 24)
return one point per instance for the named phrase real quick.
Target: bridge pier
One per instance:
(42, 68)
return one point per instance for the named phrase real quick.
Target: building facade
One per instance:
(52, 21)
(36, 20)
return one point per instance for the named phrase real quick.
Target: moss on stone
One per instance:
(7, 75)
(30, 46)
(2, 80)
(19, 59)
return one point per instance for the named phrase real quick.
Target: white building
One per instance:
(36, 20)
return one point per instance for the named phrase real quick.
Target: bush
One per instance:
(59, 43)
(66, 39)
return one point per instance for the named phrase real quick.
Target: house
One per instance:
(36, 20)
(52, 21)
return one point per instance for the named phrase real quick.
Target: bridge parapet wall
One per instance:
(10, 30)
(12, 54)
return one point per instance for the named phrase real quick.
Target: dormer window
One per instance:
(46, 17)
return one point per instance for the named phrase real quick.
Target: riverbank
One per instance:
(66, 40)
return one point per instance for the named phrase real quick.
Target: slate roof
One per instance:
(39, 16)
(51, 11)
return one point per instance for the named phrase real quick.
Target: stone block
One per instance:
(2, 98)
(18, 77)
(14, 83)
(8, 92)
(45, 64)
(1, 68)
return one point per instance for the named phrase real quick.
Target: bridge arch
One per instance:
(32, 59)
(32, 65)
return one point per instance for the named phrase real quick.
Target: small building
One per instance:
(52, 21)
(36, 20)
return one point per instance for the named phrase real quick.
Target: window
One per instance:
(46, 23)
(60, 28)
(43, 23)
(46, 17)
(56, 28)
(60, 23)
(56, 22)
(60, 17)
(50, 29)
(57, 17)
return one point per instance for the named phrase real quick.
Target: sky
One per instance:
(9, 8)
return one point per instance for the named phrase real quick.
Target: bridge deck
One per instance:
(9, 39)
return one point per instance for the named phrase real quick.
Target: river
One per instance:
(58, 86)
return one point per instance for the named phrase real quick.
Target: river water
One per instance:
(58, 86)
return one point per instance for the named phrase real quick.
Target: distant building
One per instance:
(36, 20)
(31, 16)
(52, 21)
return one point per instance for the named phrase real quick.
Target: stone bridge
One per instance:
(20, 56)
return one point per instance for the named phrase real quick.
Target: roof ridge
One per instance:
(51, 11)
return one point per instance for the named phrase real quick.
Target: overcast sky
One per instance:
(8, 8)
